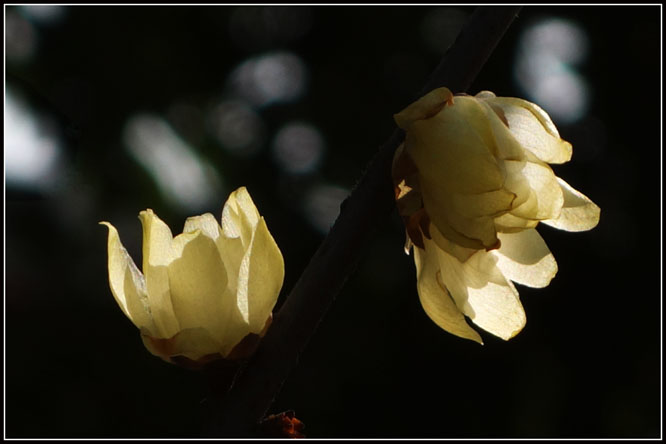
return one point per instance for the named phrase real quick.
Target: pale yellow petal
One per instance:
(508, 223)
(434, 297)
(533, 129)
(439, 220)
(157, 255)
(193, 343)
(546, 197)
(260, 278)
(525, 258)
(424, 108)
(240, 216)
(127, 283)
(446, 212)
(453, 148)
(484, 204)
(450, 246)
(199, 290)
(506, 145)
(578, 213)
(206, 223)
(483, 294)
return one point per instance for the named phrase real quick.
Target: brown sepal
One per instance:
(282, 425)
(241, 351)
(418, 225)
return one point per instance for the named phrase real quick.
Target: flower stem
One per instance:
(369, 204)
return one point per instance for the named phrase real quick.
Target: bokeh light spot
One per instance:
(32, 146)
(548, 53)
(185, 180)
(298, 148)
(278, 77)
(237, 127)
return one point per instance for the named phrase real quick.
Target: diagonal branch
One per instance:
(369, 204)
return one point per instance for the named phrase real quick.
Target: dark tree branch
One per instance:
(369, 204)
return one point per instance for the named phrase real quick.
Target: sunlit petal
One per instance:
(434, 297)
(127, 283)
(525, 258)
(578, 213)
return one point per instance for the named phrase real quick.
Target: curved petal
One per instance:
(546, 197)
(491, 203)
(578, 213)
(446, 212)
(483, 294)
(508, 223)
(127, 283)
(454, 249)
(193, 343)
(453, 148)
(533, 129)
(240, 216)
(424, 108)
(199, 292)
(434, 297)
(156, 257)
(260, 278)
(508, 148)
(525, 258)
(206, 223)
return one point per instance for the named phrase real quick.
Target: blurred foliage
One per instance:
(586, 365)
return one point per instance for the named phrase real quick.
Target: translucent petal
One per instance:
(525, 258)
(533, 129)
(157, 255)
(546, 197)
(127, 283)
(435, 299)
(206, 223)
(483, 294)
(578, 213)
(260, 278)
(199, 290)
(507, 147)
(508, 223)
(240, 216)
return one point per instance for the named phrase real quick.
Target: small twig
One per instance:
(369, 204)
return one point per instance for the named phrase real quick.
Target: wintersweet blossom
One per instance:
(205, 294)
(472, 182)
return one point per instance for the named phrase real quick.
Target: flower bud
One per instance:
(205, 294)
(472, 182)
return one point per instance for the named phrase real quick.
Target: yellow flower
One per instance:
(472, 182)
(206, 294)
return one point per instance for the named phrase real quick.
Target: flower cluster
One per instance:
(472, 182)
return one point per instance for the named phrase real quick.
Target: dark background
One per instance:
(586, 365)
